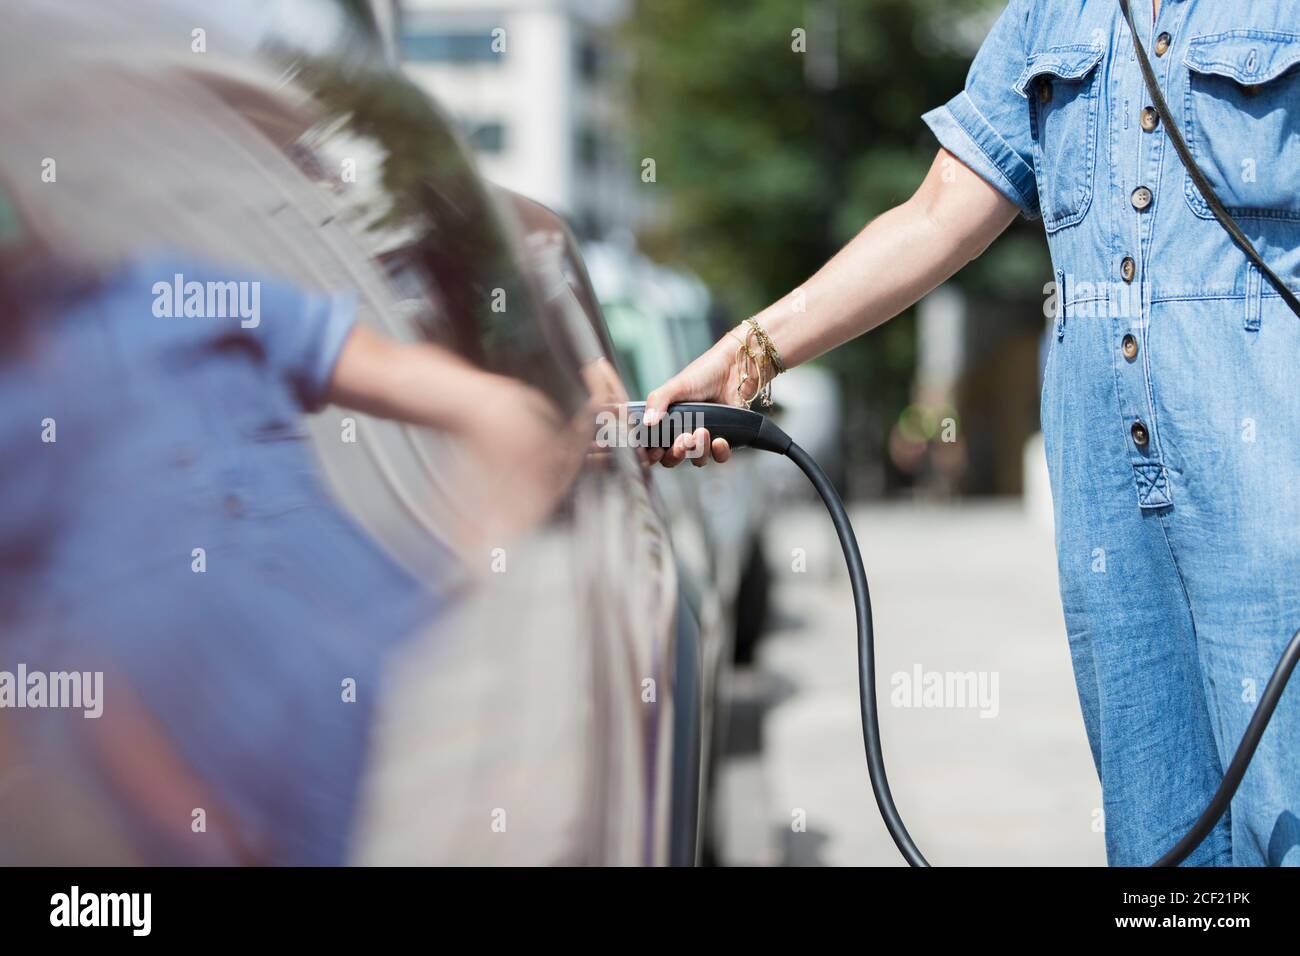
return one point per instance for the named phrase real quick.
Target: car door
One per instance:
(532, 721)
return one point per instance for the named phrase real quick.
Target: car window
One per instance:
(289, 149)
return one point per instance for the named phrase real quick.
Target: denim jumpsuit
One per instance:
(1171, 400)
(176, 433)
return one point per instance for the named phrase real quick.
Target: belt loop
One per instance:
(1254, 297)
(1060, 304)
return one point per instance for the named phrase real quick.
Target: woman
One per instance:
(1169, 408)
(164, 525)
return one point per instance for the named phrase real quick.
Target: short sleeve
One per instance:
(302, 334)
(986, 125)
(298, 332)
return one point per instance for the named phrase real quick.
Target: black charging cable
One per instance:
(743, 428)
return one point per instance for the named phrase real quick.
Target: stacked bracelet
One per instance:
(750, 360)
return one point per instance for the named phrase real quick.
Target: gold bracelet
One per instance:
(746, 361)
(752, 361)
(767, 345)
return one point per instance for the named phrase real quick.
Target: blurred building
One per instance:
(536, 86)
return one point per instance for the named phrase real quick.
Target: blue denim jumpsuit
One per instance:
(1171, 406)
(172, 434)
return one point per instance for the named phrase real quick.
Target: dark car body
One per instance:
(553, 713)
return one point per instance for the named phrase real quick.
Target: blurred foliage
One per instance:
(767, 174)
(437, 217)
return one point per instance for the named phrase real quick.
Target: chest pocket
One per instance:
(1242, 122)
(1062, 86)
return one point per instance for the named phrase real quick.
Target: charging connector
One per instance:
(743, 428)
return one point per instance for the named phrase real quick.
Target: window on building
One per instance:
(587, 147)
(489, 137)
(588, 59)
(428, 44)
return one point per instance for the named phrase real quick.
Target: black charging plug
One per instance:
(741, 427)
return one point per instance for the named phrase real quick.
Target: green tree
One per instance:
(774, 147)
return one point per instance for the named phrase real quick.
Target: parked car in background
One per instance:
(559, 709)
(661, 319)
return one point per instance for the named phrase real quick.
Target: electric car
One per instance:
(556, 709)
(660, 319)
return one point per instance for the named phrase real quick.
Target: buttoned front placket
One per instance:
(1142, 178)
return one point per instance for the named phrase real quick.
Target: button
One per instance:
(1141, 198)
(1150, 118)
(1129, 345)
(1045, 91)
(1162, 44)
(234, 507)
(1127, 269)
(1139, 433)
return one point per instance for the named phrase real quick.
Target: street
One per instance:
(987, 757)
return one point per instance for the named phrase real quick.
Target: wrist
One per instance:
(758, 360)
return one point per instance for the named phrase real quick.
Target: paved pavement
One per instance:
(965, 602)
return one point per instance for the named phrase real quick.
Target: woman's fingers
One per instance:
(657, 402)
(702, 448)
(676, 453)
(704, 380)
(698, 447)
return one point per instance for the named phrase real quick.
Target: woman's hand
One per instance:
(516, 456)
(521, 457)
(896, 259)
(713, 377)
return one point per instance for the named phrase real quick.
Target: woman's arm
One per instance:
(518, 455)
(417, 383)
(894, 261)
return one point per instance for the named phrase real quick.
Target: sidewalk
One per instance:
(965, 597)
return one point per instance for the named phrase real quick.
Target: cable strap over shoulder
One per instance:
(1198, 178)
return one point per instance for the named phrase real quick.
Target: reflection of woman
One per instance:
(1170, 422)
(163, 523)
